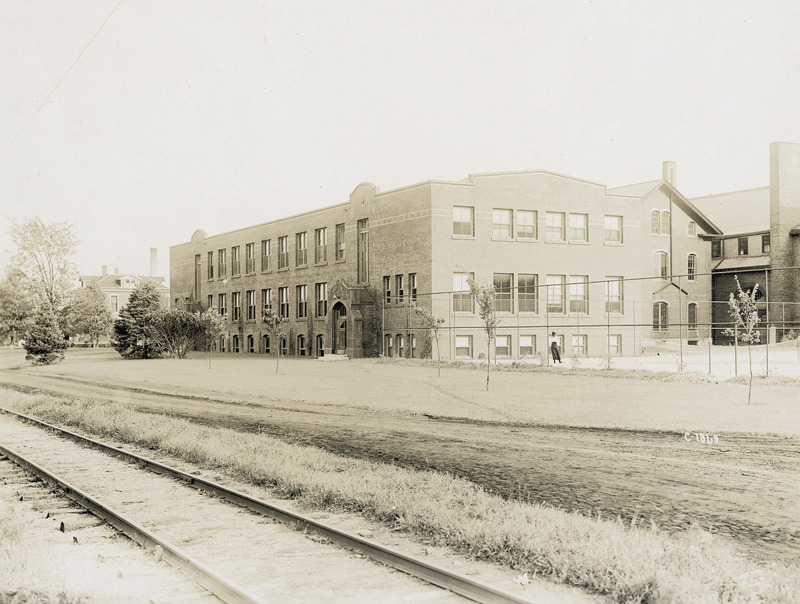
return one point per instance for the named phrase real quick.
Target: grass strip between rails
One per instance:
(629, 564)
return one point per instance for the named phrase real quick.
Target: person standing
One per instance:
(554, 348)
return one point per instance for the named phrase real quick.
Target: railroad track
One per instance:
(162, 529)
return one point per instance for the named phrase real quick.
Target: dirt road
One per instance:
(744, 487)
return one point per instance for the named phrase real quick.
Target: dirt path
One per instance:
(745, 487)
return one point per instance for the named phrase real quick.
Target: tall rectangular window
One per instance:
(655, 222)
(412, 286)
(340, 242)
(579, 342)
(398, 288)
(501, 224)
(660, 316)
(266, 251)
(464, 221)
(462, 297)
(283, 302)
(250, 258)
(302, 301)
(223, 305)
(502, 286)
(527, 345)
(266, 300)
(614, 295)
(363, 251)
(251, 304)
(579, 227)
(321, 294)
(236, 305)
(691, 266)
(556, 299)
(555, 226)
(114, 303)
(210, 301)
(526, 224)
(613, 229)
(716, 248)
(236, 263)
(283, 252)
(743, 249)
(765, 244)
(221, 264)
(661, 264)
(614, 344)
(691, 318)
(387, 288)
(527, 292)
(210, 265)
(692, 230)
(579, 294)
(666, 223)
(321, 245)
(301, 249)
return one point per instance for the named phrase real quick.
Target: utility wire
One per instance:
(89, 43)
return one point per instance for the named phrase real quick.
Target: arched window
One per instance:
(284, 346)
(320, 344)
(661, 264)
(265, 343)
(388, 350)
(301, 345)
(222, 344)
(235, 343)
(251, 343)
(660, 316)
(666, 226)
(691, 266)
(655, 222)
(401, 346)
(692, 316)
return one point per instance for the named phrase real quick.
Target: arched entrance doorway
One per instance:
(339, 329)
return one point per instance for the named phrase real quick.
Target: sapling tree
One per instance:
(213, 326)
(743, 309)
(274, 324)
(485, 296)
(432, 323)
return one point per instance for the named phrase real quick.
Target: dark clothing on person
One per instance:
(556, 354)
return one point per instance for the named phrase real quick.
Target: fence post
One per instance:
(680, 324)
(767, 348)
(735, 350)
(709, 356)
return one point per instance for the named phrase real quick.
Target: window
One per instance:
(398, 288)
(765, 244)
(236, 343)
(614, 344)
(502, 346)
(251, 304)
(555, 293)
(210, 301)
(555, 226)
(527, 345)
(301, 249)
(412, 344)
(284, 344)
(660, 316)
(716, 248)
(501, 224)
(283, 302)
(412, 285)
(321, 245)
(236, 263)
(251, 347)
(742, 246)
(526, 224)
(579, 294)
(613, 229)
(579, 344)
(692, 231)
(464, 346)
(463, 221)
(266, 250)
(389, 342)
(302, 301)
(301, 345)
(265, 343)
(221, 264)
(223, 304)
(250, 258)
(666, 223)
(691, 266)
(661, 264)
(321, 294)
(222, 344)
(210, 265)
(283, 252)
(387, 287)
(462, 297)
(114, 303)
(691, 318)
(266, 300)
(655, 222)
(236, 305)
(526, 293)
(502, 286)
(401, 346)
(614, 295)
(579, 227)
(339, 242)
(363, 251)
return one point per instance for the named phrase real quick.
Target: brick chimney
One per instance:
(669, 172)
(153, 261)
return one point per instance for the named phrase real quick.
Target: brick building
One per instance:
(564, 254)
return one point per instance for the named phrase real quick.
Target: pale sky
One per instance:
(190, 114)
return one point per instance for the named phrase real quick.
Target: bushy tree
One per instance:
(174, 332)
(44, 340)
(743, 309)
(132, 331)
(213, 325)
(485, 295)
(274, 325)
(16, 307)
(432, 323)
(87, 313)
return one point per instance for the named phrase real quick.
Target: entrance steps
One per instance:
(333, 357)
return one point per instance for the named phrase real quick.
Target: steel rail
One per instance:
(412, 565)
(221, 587)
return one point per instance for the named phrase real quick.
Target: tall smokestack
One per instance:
(669, 172)
(153, 261)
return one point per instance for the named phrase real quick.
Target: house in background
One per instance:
(118, 286)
